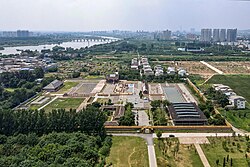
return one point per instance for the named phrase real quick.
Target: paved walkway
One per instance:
(82, 105)
(212, 67)
(48, 103)
(202, 155)
(187, 95)
(143, 119)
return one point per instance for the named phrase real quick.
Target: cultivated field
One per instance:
(192, 67)
(166, 156)
(65, 103)
(242, 67)
(219, 148)
(128, 152)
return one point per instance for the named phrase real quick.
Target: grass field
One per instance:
(215, 151)
(186, 156)
(239, 83)
(66, 87)
(65, 103)
(128, 152)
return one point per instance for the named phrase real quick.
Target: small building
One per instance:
(187, 114)
(53, 86)
(238, 102)
(112, 78)
(182, 73)
(171, 70)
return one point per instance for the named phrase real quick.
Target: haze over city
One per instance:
(83, 15)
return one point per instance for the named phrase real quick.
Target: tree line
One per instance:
(90, 120)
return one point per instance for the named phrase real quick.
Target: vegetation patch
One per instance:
(238, 118)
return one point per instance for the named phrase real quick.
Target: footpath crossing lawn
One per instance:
(166, 154)
(128, 151)
(65, 103)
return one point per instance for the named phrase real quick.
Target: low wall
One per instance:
(169, 128)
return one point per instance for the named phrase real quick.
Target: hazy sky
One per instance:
(87, 15)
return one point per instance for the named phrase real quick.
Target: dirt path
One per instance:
(212, 67)
(129, 162)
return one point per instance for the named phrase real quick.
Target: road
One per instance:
(212, 67)
(164, 135)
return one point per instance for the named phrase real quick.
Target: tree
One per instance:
(217, 162)
(158, 134)
(76, 74)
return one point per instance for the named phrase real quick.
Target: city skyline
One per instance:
(66, 15)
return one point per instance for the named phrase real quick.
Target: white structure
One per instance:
(182, 73)
(158, 70)
(134, 64)
(235, 101)
(171, 70)
(238, 102)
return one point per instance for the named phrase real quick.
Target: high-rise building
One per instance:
(23, 33)
(206, 35)
(231, 35)
(222, 35)
(216, 35)
(164, 35)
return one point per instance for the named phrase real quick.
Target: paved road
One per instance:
(202, 155)
(164, 135)
(212, 67)
(142, 118)
(150, 143)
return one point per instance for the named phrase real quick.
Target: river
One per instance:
(72, 44)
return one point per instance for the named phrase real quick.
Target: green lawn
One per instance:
(186, 156)
(94, 77)
(239, 83)
(66, 87)
(128, 152)
(10, 89)
(65, 103)
(215, 151)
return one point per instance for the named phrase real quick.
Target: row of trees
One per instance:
(158, 110)
(89, 120)
(128, 119)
